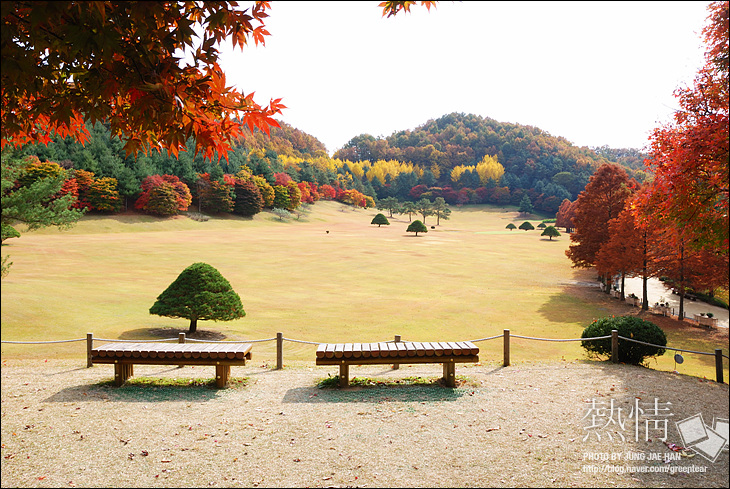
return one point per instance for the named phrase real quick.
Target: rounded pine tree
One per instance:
(527, 226)
(199, 292)
(417, 227)
(379, 220)
(511, 226)
(551, 231)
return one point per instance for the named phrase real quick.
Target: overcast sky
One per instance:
(596, 73)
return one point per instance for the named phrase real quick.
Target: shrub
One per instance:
(628, 327)
(511, 226)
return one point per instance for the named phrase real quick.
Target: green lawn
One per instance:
(469, 278)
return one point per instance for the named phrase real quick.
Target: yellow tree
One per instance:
(489, 169)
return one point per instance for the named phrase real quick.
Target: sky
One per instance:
(595, 73)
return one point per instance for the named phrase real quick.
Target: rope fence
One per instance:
(182, 338)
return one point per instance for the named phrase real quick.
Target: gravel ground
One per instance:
(520, 426)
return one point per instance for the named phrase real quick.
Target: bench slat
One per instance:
(330, 352)
(321, 350)
(357, 350)
(339, 350)
(446, 348)
(411, 349)
(420, 349)
(348, 350)
(402, 349)
(366, 350)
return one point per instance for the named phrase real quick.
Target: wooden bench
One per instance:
(396, 353)
(125, 355)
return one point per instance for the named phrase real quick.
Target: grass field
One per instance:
(467, 279)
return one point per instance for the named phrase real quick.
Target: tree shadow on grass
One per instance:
(170, 333)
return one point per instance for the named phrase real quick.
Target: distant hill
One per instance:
(287, 140)
(532, 158)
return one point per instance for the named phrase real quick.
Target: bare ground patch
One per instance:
(521, 426)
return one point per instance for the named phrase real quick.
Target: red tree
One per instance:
(602, 200)
(182, 197)
(689, 158)
(631, 250)
(564, 216)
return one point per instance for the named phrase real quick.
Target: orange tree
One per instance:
(602, 200)
(148, 69)
(689, 157)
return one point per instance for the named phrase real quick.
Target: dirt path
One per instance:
(521, 426)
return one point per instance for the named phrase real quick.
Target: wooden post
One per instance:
(181, 339)
(450, 373)
(718, 366)
(396, 366)
(344, 374)
(89, 347)
(614, 345)
(279, 351)
(505, 363)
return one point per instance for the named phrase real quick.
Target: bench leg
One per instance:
(122, 371)
(222, 373)
(450, 374)
(344, 374)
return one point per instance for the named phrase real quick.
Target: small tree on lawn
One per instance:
(199, 292)
(527, 226)
(379, 220)
(417, 227)
(551, 232)
(282, 213)
(511, 226)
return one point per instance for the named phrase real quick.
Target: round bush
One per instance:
(628, 327)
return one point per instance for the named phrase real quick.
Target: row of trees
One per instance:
(423, 206)
(483, 182)
(619, 235)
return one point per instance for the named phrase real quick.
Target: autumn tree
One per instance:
(602, 200)
(66, 62)
(215, 195)
(37, 204)
(380, 219)
(200, 292)
(248, 201)
(164, 195)
(565, 215)
(690, 269)
(417, 227)
(689, 157)
(631, 250)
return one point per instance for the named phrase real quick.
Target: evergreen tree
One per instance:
(526, 205)
(551, 232)
(380, 219)
(200, 292)
(417, 227)
(527, 226)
